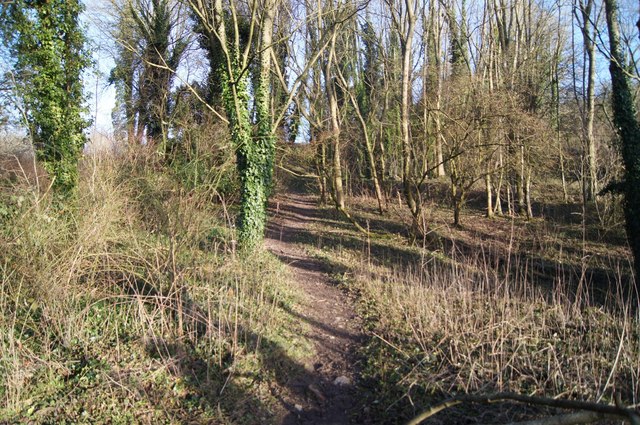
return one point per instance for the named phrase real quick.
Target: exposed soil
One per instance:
(327, 391)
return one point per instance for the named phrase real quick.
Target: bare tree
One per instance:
(584, 11)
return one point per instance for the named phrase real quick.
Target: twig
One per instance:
(615, 365)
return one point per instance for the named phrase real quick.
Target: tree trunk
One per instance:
(258, 155)
(410, 190)
(624, 115)
(321, 165)
(254, 155)
(520, 183)
(527, 188)
(590, 188)
(381, 148)
(555, 95)
(437, 118)
(498, 209)
(487, 183)
(330, 89)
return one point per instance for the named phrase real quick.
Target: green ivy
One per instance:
(236, 100)
(254, 154)
(48, 47)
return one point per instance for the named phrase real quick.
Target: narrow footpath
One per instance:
(327, 393)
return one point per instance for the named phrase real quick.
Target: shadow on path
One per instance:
(327, 389)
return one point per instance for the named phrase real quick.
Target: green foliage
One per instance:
(254, 156)
(48, 46)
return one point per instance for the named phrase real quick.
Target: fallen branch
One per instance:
(577, 418)
(619, 412)
(297, 174)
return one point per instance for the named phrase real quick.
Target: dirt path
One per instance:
(327, 392)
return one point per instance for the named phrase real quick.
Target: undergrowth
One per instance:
(130, 305)
(444, 331)
(482, 321)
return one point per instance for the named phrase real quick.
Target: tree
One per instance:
(330, 87)
(156, 21)
(404, 21)
(360, 97)
(624, 117)
(48, 46)
(255, 151)
(583, 13)
(150, 45)
(125, 72)
(258, 157)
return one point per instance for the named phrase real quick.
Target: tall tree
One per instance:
(150, 44)
(583, 11)
(161, 52)
(210, 43)
(253, 138)
(624, 116)
(432, 80)
(125, 72)
(362, 97)
(404, 18)
(48, 46)
(259, 156)
(330, 87)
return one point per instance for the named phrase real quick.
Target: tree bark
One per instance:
(489, 191)
(330, 89)
(624, 116)
(412, 196)
(590, 186)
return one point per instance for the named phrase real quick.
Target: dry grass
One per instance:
(130, 306)
(472, 327)
(462, 315)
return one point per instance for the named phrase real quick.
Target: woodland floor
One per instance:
(327, 392)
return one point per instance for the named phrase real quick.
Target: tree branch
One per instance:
(604, 409)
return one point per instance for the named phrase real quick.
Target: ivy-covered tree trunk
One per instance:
(123, 76)
(624, 116)
(254, 151)
(253, 195)
(48, 47)
(256, 158)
